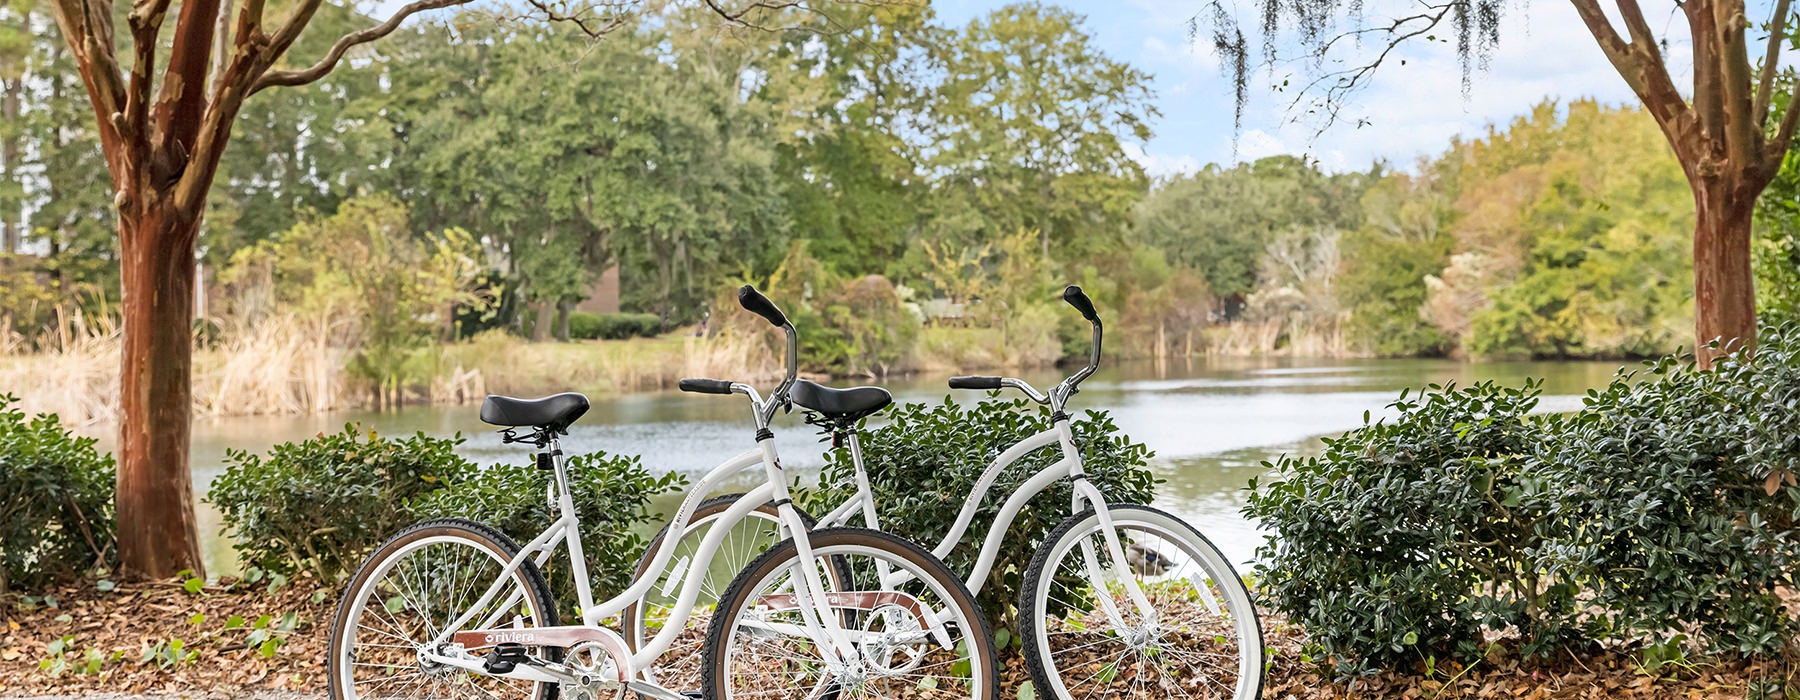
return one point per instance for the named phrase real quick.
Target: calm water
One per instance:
(1211, 423)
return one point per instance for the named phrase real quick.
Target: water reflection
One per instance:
(1212, 423)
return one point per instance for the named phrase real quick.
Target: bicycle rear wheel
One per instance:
(924, 639)
(409, 590)
(760, 530)
(1205, 640)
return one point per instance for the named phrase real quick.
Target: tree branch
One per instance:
(330, 60)
(1743, 128)
(181, 100)
(1639, 63)
(146, 20)
(1776, 149)
(290, 30)
(1765, 87)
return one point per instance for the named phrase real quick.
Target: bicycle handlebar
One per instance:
(706, 386)
(754, 302)
(975, 382)
(1067, 387)
(1080, 301)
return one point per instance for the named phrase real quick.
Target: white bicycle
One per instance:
(452, 608)
(1120, 600)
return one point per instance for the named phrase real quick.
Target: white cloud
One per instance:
(1160, 165)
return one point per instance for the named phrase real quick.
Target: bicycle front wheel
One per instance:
(923, 638)
(407, 593)
(1203, 639)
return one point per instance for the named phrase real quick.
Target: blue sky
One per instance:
(1413, 110)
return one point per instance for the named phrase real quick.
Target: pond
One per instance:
(1211, 421)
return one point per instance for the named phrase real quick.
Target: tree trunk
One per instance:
(562, 319)
(540, 326)
(13, 224)
(1724, 288)
(155, 495)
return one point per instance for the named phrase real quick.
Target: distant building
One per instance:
(602, 294)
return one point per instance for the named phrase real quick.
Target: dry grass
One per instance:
(511, 365)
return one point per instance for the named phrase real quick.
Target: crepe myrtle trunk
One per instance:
(155, 500)
(1724, 287)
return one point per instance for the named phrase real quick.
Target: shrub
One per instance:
(586, 326)
(1405, 539)
(927, 459)
(1666, 506)
(1676, 504)
(56, 508)
(612, 494)
(322, 504)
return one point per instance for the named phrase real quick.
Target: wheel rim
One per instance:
(897, 659)
(680, 666)
(1202, 644)
(405, 602)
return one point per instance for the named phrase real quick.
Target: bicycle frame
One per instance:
(824, 630)
(1069, 467)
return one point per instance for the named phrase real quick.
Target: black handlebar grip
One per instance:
(974, 382)
(754, 302)
(1080, 301)
(706, 386)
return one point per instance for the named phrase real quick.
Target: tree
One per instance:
(163, 140)
(1028, 126)
(1730, 133)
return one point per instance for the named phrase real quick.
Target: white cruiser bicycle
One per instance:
(1175, 621)
(453, 608)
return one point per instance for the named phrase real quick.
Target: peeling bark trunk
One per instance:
(1724, 287)
(157, 534)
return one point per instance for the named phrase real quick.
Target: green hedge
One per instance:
(322, 504)
(1667, 505)
(926, 460)
(612, 494)
(586, 326)
(56, 506)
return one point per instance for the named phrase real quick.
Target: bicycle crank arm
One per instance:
(532, 669)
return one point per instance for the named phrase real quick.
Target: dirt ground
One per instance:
(169, 640)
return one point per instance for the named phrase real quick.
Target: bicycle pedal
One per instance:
(504, 658)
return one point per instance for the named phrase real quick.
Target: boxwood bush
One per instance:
(926, 460)
(322, 504)
(588, 326)
(1665, 507)
(56, 506)
(612, 494)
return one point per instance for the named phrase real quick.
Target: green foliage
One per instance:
(56, 506)
(612, 495)
(928, 458)
(1775, 250)
(1219, 220)
(1405, 539)
(1584, 225)
(322, 504)
(586, 326)
(1668, 504)
(1676, 497)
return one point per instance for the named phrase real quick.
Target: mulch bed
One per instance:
(125, 628)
